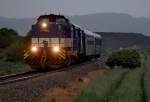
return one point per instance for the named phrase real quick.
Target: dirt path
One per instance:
(69, 92)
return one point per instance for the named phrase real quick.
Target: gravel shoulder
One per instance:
(33, 89)
(69, 92)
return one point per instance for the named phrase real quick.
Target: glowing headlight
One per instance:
(44, 25)
(56, 49)
(34, 49)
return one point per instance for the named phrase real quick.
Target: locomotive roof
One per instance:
(53, 16)
(88, 32)
(91, 33)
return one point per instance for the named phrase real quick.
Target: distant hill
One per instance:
(124, 40)
(22, 26)
(113, 22)
(103, 22)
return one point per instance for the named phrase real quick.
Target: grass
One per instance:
(12, 67)
(147, 77)
(130, 90)
(147, 85)
(120, 85)
(101, 86)
(1, 54)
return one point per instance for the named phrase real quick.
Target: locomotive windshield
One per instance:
(51, 27)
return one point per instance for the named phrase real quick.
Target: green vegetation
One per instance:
(11, 51)
(130, 88)
(7, 37)
(147, 76)
(11, 45)
(132, 85)
(11, 67)
(15, 51)
(102, 86)
(127, 58)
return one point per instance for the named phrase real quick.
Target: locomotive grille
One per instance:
(61, 42)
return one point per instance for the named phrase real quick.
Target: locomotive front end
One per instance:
(51, 42)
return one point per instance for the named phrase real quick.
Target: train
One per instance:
(56, 41)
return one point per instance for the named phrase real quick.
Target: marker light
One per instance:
(56, 49)
(44, 25)
(34, 49)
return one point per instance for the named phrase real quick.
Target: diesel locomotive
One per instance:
(56, 41)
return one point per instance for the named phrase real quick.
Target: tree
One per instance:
(7, 37)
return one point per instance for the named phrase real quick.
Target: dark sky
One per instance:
(32, 8)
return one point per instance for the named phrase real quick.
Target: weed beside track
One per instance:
(101, 86)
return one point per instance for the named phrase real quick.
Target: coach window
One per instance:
(98, 42)
(59, 27)
(79, 33)
(90, 41)
(72, 31)
(76, 34)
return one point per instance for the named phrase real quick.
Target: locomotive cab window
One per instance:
(90, 42)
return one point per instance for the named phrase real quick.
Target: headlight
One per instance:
(34, 49)
(44, 25)
(56, 49)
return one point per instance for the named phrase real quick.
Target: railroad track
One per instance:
(8, 79)
(17, 77)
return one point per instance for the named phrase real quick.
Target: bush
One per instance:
(15, 51)
(7, 37)
(27, 39)
(12, 45)
(127, 58)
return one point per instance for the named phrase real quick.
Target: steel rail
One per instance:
(8, 79)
